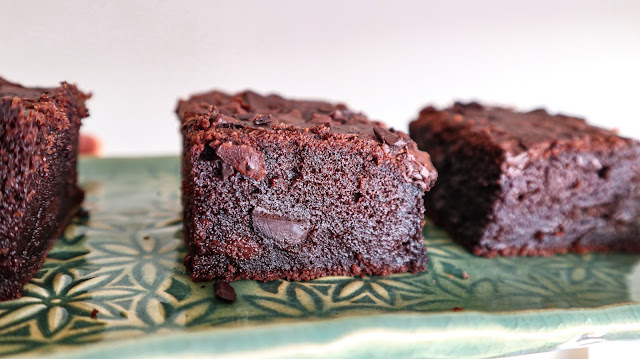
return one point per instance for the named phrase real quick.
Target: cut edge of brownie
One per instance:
(267, 152)
(38, 179)
(573, 190)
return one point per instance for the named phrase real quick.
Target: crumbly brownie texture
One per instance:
(514, 183)
(38, 191)
(274, 188)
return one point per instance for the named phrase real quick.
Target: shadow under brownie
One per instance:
(275, 188)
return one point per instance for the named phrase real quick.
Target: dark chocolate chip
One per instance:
(283, 231)
(388, 137)
(224, 291)
(604, 172)
(244, 159)
(261, 119)
(224, 120)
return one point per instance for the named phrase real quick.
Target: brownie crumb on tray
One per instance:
(276, 188)
(530, 183)
(224, 291)
(38, 192)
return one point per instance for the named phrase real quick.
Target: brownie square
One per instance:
(276, 188)
(513, 183)
(38, 190)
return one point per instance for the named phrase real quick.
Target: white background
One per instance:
(386, 58)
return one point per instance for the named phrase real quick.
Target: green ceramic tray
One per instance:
(124, 265)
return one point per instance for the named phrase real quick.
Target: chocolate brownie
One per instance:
(38, 191)
(514, 183)
(275, 188)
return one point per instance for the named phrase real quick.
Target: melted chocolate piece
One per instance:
(389, 137)
(286, 233)
(261, 119)
(227, 121)
(243, 158)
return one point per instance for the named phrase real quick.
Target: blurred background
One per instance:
(385, 58)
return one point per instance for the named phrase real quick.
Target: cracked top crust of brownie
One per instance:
(248, 109)
(65, 97)
(515, 132)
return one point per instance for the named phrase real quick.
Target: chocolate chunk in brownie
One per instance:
(38, 190)
(513, 183)
(276, 188)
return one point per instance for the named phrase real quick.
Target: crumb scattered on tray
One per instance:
(82, 213)
(94, 313)
(458, 309)
(224, 291)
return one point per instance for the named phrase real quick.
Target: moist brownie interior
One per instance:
(38, 190)
(530, 183)
(274, 188)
